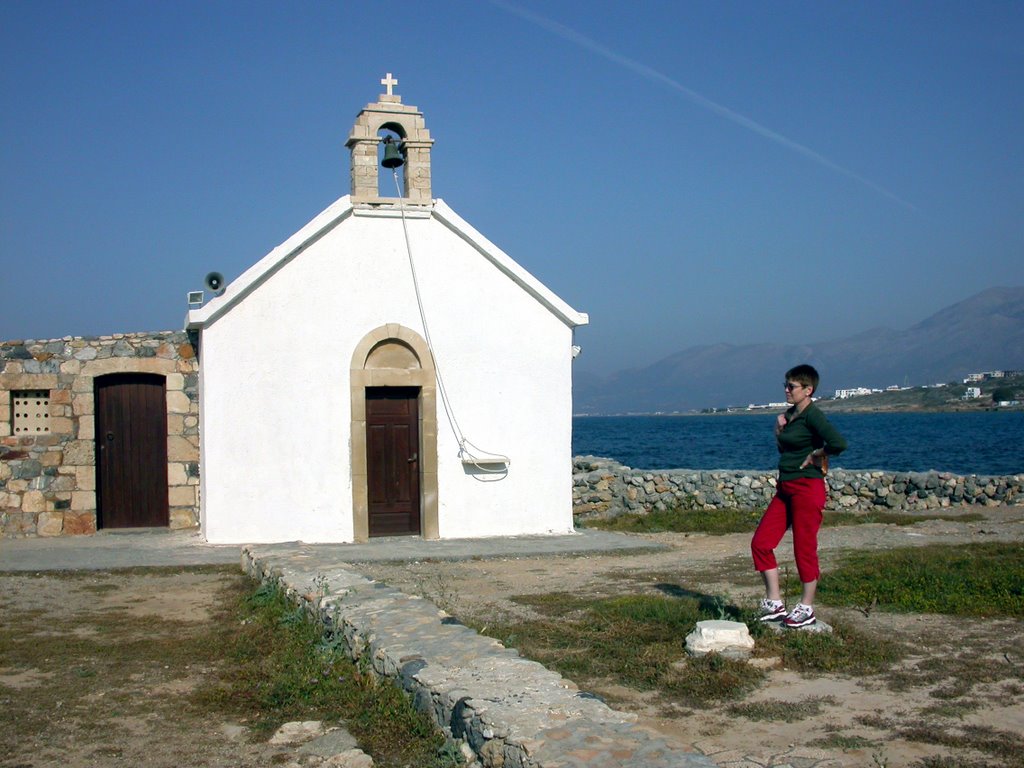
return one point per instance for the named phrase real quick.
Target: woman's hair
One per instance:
(805, 374)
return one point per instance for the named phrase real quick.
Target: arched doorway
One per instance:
(394, 435)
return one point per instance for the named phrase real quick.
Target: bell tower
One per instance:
(390, 114)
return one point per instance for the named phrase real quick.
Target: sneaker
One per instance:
(771, 610)
(800, 616)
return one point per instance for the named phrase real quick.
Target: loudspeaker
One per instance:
(215, 282)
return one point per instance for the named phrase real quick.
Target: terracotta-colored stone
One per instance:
(60, 397)
(186, 352)
(79, 524)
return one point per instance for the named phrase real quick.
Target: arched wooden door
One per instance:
(392, 460)
(131, 451)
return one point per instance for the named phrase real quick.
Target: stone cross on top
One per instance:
(389, 82)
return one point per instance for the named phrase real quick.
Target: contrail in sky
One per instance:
(566, 33)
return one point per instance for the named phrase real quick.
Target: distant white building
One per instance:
(842, 394)
(972, 393)
(972, 377)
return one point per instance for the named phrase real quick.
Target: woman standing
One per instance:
(805, 439)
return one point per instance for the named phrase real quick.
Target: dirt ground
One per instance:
(96, 670)
(64, 702)
(862, 714)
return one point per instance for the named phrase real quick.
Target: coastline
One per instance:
(830, 406)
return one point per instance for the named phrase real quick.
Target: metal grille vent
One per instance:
(31, 412)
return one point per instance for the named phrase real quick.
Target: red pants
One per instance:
(797, 504)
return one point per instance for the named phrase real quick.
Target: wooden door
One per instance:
(392, 460)
(131, 451)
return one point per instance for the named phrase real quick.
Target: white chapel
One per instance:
(385, 371)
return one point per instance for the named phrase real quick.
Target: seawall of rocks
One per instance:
(604, 488)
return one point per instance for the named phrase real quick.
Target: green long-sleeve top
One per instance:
(804, 432)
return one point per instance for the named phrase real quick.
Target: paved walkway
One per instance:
(160, 547)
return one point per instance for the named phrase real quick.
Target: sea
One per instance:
(978, 443)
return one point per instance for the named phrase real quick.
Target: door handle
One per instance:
(413, 457)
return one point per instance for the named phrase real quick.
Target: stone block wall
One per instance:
(605, 488)
(48, 480)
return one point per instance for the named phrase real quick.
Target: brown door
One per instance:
(131, 451)
(392, 460)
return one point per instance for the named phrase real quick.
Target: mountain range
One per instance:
(984, 332)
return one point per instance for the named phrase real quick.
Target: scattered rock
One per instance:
(819, 627)
(298, 732)
(352, 758)
(333, 742)
(729, 638)
(234, 732)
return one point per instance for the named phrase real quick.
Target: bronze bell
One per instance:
(392, 154)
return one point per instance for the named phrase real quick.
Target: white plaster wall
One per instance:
(275, 388)
(505, 360)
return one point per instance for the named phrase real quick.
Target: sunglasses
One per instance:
(790, 386)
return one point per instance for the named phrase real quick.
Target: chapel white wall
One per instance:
(275, 381)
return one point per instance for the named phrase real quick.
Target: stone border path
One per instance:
(512, 712)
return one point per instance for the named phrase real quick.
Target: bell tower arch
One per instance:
(406, 122)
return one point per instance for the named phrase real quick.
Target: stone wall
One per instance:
(48, 480)
(505, 711)
(605, 488)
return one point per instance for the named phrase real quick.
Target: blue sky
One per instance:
(686, 173)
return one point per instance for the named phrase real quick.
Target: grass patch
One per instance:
(944, 761)
(634, 640)
(837, 519)
(955, 676)
(1002, 744)
(283, 668)
(969, 580)
(846, 651)
(839, 741)
(722, 521)
(776, 710)
(679, 520)
(638, 641)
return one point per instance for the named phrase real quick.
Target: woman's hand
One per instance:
(815, 457)
(780, 423)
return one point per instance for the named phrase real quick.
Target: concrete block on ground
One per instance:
(729, 638)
